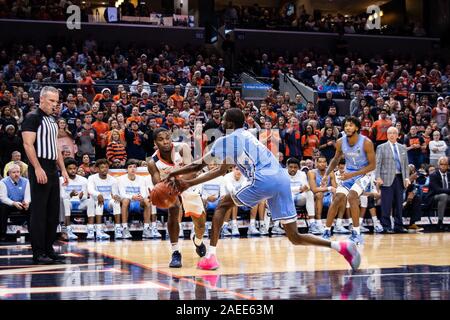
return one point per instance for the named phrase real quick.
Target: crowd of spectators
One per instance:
(110, 104)
(295, 18)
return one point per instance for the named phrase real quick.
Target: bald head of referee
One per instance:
(40, 133)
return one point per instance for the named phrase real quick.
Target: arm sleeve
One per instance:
(91, 188)
(4, 195)
(62, 190)
(27, 196)
(31, 123)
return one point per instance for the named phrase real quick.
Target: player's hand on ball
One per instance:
(181, 185)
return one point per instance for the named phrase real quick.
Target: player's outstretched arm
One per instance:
(182, 185)
(194, 167)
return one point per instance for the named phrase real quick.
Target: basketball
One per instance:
(163, 196)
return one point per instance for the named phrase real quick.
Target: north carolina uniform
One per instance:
(371, 187)
(215, 188)
(327, 196)
(191, 199)
(79, 184)
(355, 159)
(129, 188)
(299, 180)
(106, 187)
(267, 179)
(232, 185)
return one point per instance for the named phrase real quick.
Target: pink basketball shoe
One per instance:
(350, 252)
(208, 263)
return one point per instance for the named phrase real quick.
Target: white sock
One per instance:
(198, 241)
(253, 222)
(153, 224)
(90, 226)
(98, 227)
(338, 222)
(360, 221)
(225, 225)
(356, 230)
(211, 251)
(328, 228)
(181, 226)
(312, 220)
(125, 225)
(375, 219)
(147, 225)
(234, 222)
(175, 247)
(335, 245)
(117, 226)
(319, 222)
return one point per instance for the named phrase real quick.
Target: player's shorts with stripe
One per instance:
(276, 189)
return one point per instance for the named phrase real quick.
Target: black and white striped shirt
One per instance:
(46, 130)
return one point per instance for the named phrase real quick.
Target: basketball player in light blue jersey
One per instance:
(359, 166)
(323, 195)
(267, 181)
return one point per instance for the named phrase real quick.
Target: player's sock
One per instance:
(90, 226)
(211, 251)
(181, 226)
(327, 228)
(335, 245)
(198, 241)
(234, 222)
(312, 220)
(125, 225)
(253, 222)
(147, 225)
(360, 221)
(338, 222)
(357, 230)
(175, 247)
(319, 222)
(225, 225)
(98, 227)
(375, 219)
(153, 224)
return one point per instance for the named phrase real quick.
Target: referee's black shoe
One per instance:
(56, 257)
(42, 259)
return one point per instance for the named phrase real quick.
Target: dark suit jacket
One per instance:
(436, 185)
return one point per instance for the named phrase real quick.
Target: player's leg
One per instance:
(364, 202)
(234, 226)
(224, 231)
(91, 219)
(338, 202)
(339, 223)
(252, 231)
(173, 229)
(125, 211)
(99, 210)
(209, 262)
(199, 230)
(282, 208)
(353, 199)
(147, 232)
(314, 226)
(263, 225)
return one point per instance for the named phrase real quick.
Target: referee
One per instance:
(39, 132)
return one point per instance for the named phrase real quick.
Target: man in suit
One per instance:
(440, 191)
(392, 173)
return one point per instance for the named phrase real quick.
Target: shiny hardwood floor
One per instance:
(409, 266)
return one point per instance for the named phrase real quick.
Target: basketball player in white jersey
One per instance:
(134, 193)
(171, 156)
(103, 188)
(74, 195)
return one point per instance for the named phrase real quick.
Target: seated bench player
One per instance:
(74, 196)
(105, 192)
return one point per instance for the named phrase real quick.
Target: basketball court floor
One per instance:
(404, 266)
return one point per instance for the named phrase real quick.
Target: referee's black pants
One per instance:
(44, 208)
